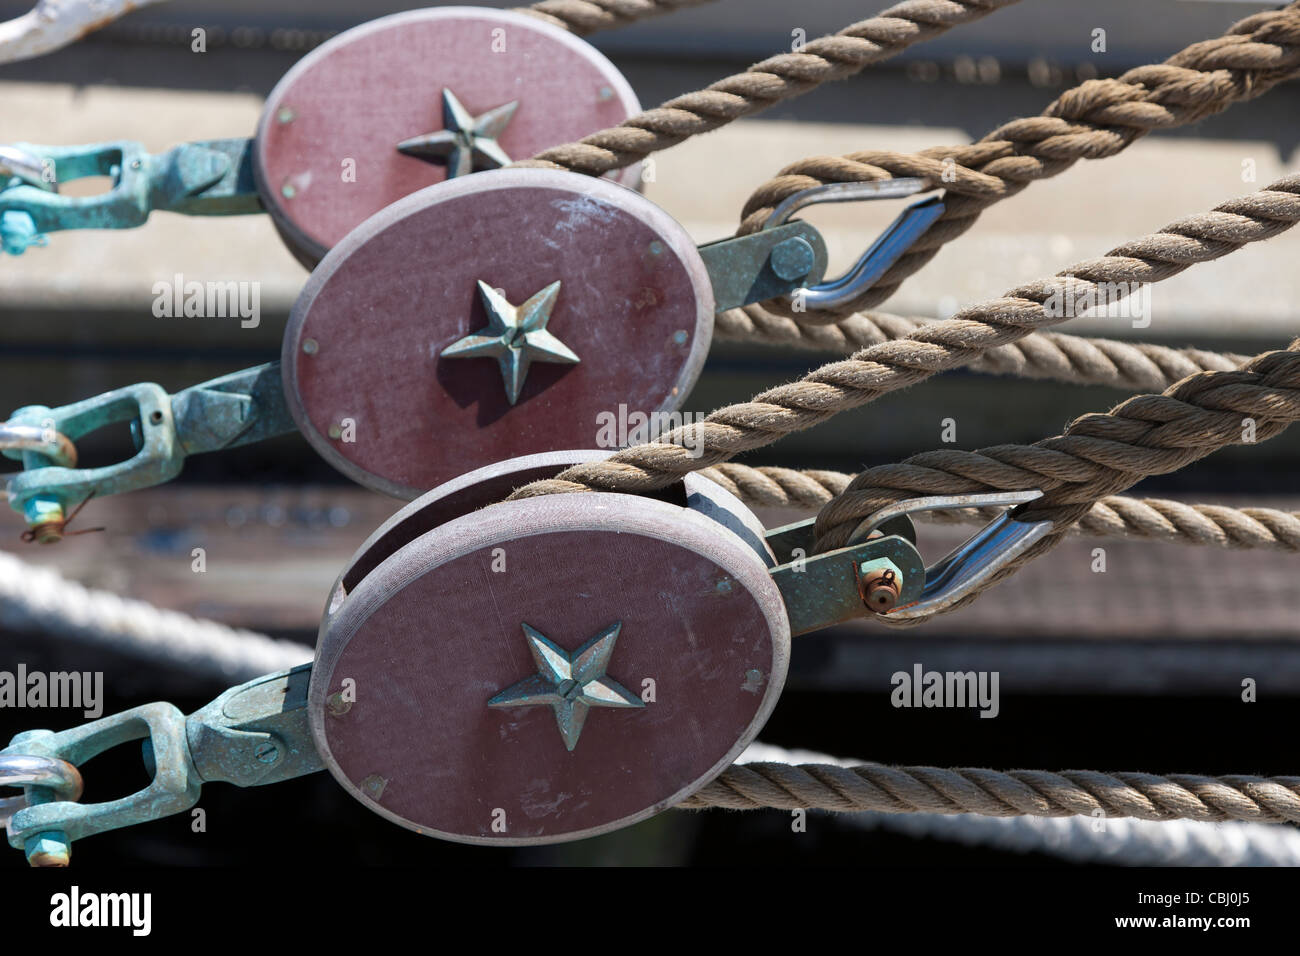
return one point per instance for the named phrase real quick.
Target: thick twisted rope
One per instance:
(934, 348)
(1114, 516)
(1098, 118)
(995, 793)
(1118, 843)
(38, 598)
(588, 16)
(764, 84)
(1076, 359)
(1098, 454)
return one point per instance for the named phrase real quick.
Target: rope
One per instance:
(935, 347)
(1038, 793)
(1114, 516)
(40, 599)
(588, 16)
(1122, 842)
(1078, 360)
(1083, 840)
(764, 84)
(1096, 119)
(1098, 454)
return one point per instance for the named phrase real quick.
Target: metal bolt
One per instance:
(267, 752)
(49, 848)
(792, 258)
(285, 115)
(724, 586)
(310, 346)
(880, 584)
(336, 431)
(337, 705)
(605, 93)
(287, 191)
(45, 519)
(656, 248)
(680, 336)
(18, 232)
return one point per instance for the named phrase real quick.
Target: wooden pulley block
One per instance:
(547, 669)
(492, 316)
(409, 100)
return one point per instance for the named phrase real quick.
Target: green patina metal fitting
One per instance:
(822, 589)
(253, 734)
(764, 265)
(236, 409)
(209, 178)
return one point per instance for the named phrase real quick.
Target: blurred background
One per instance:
(1139, 668)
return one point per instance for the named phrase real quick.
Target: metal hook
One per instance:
(883, 253)
(975, 560)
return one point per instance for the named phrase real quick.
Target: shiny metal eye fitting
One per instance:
(881, 254)
(971, 563)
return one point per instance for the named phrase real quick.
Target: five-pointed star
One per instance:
(465, 142)
(515, 336)
(569, 683)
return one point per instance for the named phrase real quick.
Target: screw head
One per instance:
(285, 115)
(793, 258)
(310, 346)
(287, 191)
(267, 752)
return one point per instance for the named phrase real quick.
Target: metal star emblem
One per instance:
(569, 683)
(465, 142)
(515, 336)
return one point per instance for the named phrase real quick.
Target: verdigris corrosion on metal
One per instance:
(209, 178)
(823, 589)
(569, 683)
(516, 336)
(466, 142)
(236, 409)
(253, 734)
